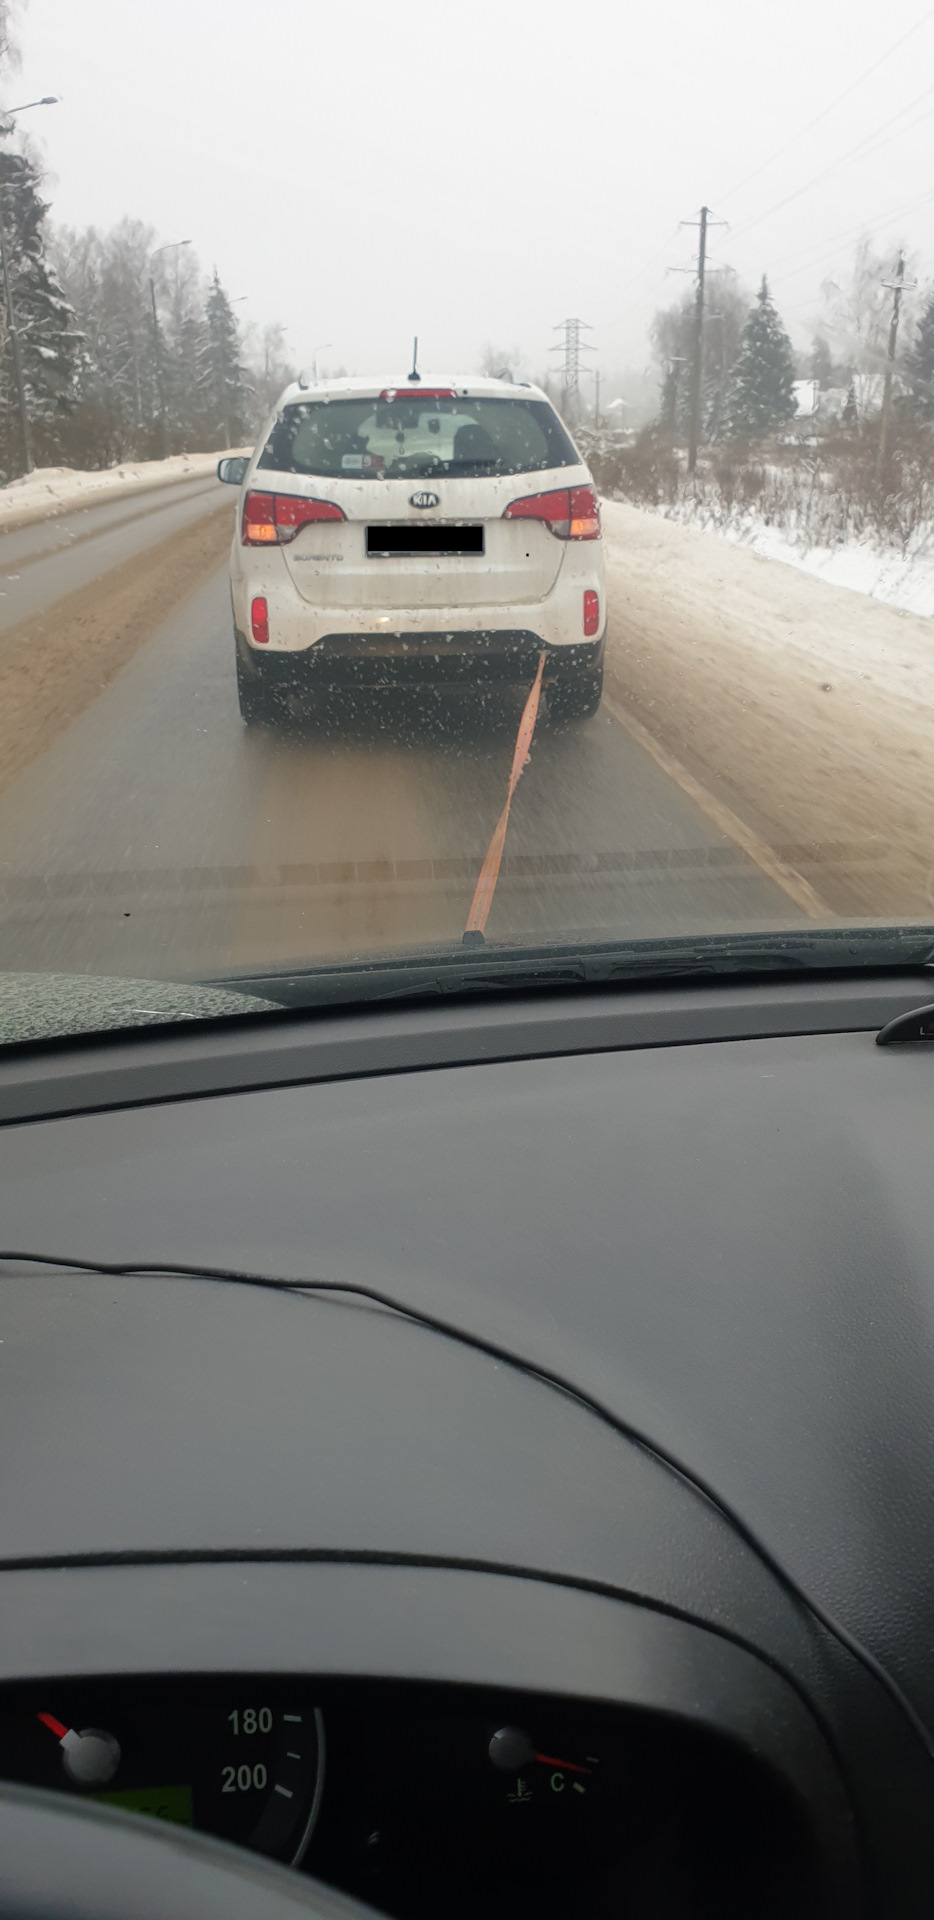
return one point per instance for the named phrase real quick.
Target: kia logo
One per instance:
(424, 499)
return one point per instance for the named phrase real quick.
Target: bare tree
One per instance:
(269, 368)
(672, 338)
(857, 308)
(496, 360)
(9, 45)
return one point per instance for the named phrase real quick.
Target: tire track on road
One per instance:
(53, 664)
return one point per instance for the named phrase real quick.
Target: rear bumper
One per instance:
(465, 659)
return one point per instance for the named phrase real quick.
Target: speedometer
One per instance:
(239, 1758)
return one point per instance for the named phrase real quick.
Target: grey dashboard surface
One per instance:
(729, 1245)
(334, 1043)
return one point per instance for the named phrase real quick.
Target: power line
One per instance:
(831, 105)
(868, 142)
(801, 263)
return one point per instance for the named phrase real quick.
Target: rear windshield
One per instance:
(413, 437)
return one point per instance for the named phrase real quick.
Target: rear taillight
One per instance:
(571, 512)
(259, 622)
(273, 519)
(585, 514)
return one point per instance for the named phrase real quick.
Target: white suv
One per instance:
(389, 533)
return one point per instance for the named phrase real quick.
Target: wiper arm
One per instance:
(458, 971)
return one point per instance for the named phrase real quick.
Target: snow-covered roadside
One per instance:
(861, 565)
(805, 706)
(53, 490)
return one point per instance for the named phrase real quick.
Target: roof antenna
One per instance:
(415, 375)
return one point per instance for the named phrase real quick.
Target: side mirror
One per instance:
(233, 469)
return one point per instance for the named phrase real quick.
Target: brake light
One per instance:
(259, 622)
(591, 612)
(273, 519)
(571, 512)
(418, 393)
(585, 514)
(259, 519)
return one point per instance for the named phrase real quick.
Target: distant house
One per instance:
(807, 398)
(833, 403)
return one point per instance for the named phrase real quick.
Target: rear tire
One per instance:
(577, 695)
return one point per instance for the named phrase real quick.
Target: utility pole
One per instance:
(596, 397)
(697, 357)
(573, 347)
(897, 287)
(157, 363)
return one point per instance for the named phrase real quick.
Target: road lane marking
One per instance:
(787, 877)
(489, 872)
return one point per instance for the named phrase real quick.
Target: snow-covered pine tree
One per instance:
(49, 337)
(224, 386)
(268, 370)
(761, 394)
(919, 365)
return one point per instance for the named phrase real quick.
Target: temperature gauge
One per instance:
(513, 1751)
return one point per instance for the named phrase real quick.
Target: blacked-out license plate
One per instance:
(400, 541)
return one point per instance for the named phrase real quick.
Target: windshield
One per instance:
(466, 501)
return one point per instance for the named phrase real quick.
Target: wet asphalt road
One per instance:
(157, 837)
(40, 564)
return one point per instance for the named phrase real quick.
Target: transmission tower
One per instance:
(572, 347)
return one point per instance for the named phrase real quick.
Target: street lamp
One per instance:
(157, 343)
(48, 100)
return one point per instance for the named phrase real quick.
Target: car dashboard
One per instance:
(419, 1598)
(410, 1795)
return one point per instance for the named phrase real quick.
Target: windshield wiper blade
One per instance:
(455, 970)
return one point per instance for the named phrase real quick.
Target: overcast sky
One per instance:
(366, 169)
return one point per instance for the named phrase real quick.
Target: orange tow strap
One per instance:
(489, 872)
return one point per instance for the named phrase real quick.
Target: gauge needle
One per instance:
(54, 1726)
(567, 1766)
(90, 1758)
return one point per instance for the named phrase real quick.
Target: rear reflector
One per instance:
(570, 512)
(259, 621)
(273, 519)
(591, 612)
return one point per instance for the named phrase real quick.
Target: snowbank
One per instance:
(860, 565)
(52, 490)
(806, 706)
(826, 633)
